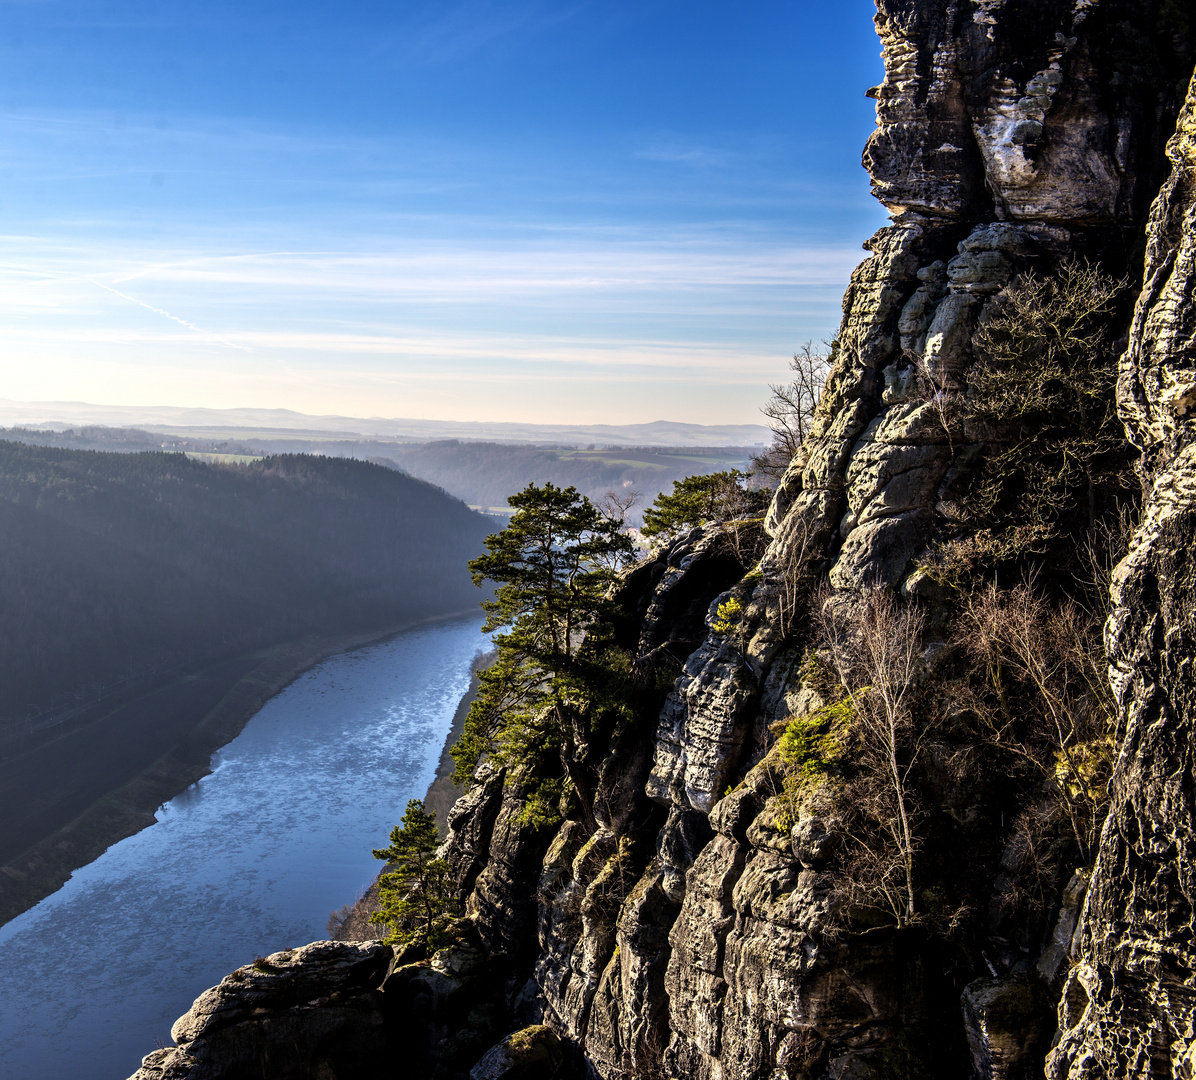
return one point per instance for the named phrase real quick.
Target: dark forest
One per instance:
(123, 569)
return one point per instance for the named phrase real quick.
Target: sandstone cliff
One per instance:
(1129, 1006)
(693, 927)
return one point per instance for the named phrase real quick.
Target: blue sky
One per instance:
(571, 212)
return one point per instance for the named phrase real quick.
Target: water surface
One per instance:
(249, 860)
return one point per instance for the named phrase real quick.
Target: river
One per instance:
(249, 860)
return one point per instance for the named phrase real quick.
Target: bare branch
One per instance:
(873, 643)
(790, 409)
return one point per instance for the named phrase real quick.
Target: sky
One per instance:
(614, 211)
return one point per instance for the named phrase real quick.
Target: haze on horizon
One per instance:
(500, 211)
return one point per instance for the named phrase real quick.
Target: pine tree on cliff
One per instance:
(417, 898)
(553, 565)
(695, 500)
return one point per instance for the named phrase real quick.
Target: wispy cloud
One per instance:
(166, 314)
(711, 316)
(466, 28)
(508, 355)
(452, 270)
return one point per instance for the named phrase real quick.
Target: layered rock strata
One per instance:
(1129, 1005)
(337, 1009)
(312, 1011)
(1010, 136)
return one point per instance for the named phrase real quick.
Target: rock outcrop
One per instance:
(312, 1011)
(1129, 1004)
(1010, 136)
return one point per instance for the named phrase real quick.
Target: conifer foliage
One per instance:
(553, 566)
(417, 901)
(707, 497)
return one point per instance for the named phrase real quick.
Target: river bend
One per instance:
(249, 860)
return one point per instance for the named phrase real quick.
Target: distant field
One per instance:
(259, 435)
(662, 458)
(486, 474)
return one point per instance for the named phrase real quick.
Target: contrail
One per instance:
(159, 311)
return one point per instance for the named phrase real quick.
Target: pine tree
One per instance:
(553, 565)
(417, 899)
(699, 499)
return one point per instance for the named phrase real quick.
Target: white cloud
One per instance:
(699, 323)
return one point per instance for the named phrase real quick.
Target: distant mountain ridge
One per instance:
(656, 433)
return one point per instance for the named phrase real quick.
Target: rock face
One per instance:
(685, 928)
(1009, 135)
(535, 1053)
(1129, 1005)
(337, 1010)
(313, 1011)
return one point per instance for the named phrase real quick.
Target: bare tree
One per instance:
(790, 409)
(1101, 550)
(1048, 699)
(934, 389)
(616, 505)
(872, 642)
(352, 922)
(790, 567)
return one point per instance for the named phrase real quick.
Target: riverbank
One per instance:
(117, 771)
(352, 922)
(442, 792)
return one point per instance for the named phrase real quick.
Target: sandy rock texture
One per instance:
(1129, 1005)
(311, 1011)
(1010, 136)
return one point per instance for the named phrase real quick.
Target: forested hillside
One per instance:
(481, 473)
(119, 567)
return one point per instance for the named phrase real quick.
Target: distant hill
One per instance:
(230, 423)
(114, 565)
(483, 474)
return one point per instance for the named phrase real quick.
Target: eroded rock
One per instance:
(1129, 1004)
(290, 1014)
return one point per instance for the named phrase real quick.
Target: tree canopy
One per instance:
(118, 569)
(697, 500)
(553, 566)
(417, 901)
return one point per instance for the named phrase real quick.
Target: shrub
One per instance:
(810, 745)
(1041, 398)
(727, 616)
(1045, 697)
